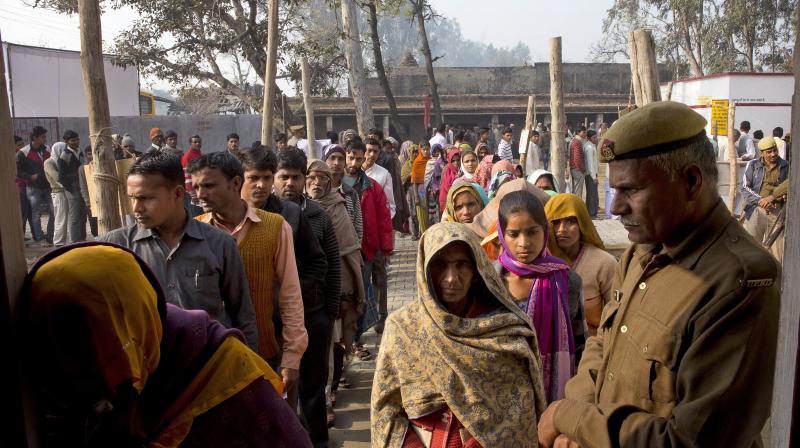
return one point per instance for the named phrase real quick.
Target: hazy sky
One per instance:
(502, 23)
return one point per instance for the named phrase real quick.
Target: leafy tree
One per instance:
(696, 37)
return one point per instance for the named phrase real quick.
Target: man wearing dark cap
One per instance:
(685, 351)
(761, 204)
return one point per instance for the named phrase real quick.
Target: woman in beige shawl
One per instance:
(462, 353)
(319, 183)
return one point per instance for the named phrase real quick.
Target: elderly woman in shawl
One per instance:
(544, 286)
(464, 201)
(451, 172)
(463, 353)
(115, 365)
(574, 239)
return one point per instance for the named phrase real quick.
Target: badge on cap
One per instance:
(607, 150)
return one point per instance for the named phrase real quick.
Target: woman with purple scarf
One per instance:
(543, 286)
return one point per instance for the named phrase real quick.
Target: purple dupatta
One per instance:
(548, 309)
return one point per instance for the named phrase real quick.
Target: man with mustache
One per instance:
(690, 333)
(762, 205)
(198, 266)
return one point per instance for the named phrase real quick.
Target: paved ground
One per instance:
(351, 428)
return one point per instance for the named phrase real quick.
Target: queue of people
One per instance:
(248, 275)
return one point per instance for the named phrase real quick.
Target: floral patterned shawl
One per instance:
(486, 370)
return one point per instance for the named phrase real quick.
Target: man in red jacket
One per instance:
(377, 241)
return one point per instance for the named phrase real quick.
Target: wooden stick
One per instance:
(734, 166)
(268, 109)
(309, 107)
(523, 145)
(94, 84)
(558, 117)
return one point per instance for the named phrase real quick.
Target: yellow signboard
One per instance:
(719, 117)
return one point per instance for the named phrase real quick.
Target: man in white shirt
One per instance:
(378, 173)
(590, 158)
(747, 148)
(531, 154)
(439, 138)
(777, 135)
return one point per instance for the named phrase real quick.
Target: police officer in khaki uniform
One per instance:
(685, 351)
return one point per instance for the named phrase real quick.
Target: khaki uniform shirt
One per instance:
(771, 180)
(685, 351)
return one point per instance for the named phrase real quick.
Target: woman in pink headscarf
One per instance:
(484, 173)
(451, 172)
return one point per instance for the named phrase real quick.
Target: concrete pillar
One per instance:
(599, 120)
(386, 125)
(329, 123)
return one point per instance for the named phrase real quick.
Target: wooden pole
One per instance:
(355, 68)
(669, 92)
(94, 84)
(644, 70)
(529, 124)
(268, 109)
(558, 128)
(734, 167)
(15, 402)
(785, 418)
(311, 135)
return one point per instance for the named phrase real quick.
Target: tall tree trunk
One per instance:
(355, 67)
(379, 68)
(644, 70)
(419, 11)
(558, 126)
(268, 109)
(94, 84)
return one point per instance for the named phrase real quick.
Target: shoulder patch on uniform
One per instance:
(759, 283)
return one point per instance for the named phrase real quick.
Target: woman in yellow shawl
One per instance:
(464, 201)
(574, 239)
(463, 353)
(115, 366)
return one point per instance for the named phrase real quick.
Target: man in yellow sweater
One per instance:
(267, 250)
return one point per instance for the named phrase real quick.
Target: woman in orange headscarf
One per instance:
(115, 365)
(574, 239)
(417, 190)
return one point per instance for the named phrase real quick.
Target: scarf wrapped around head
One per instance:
(405, 152)
(568, 205)
(484, 173)
(484, 369)
(548, 309)
(132, 334)
(533, 177)
(498, 180)
(460, 186)
(408, 164)
(449, 176)
(464, 174)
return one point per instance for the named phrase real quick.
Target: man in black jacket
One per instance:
(30, 168)
(69, 162)
(322, 304)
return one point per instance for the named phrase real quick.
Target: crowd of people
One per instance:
(222, 313)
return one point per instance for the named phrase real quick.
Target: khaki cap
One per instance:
(297, 127)
(767, 143)
(656, 128)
